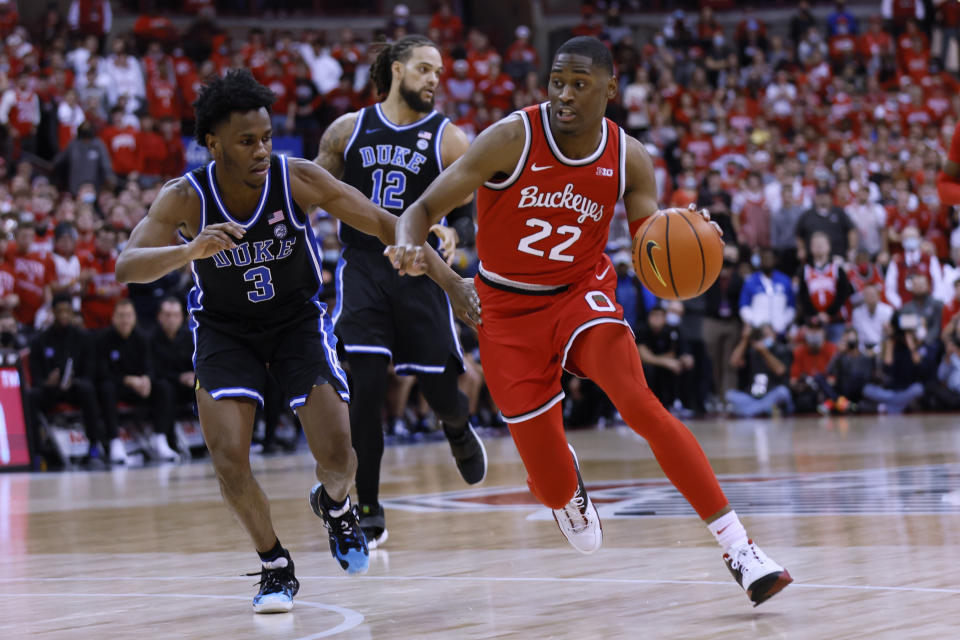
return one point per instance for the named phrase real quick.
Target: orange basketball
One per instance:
(677, 254)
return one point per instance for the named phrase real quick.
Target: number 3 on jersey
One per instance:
(262, 281)
(545, 230)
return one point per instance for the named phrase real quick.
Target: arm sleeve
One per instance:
(462, 219)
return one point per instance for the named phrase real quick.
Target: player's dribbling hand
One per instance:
(407, 259)
(215, 238)
(703, 212)
(448, 241)
(466, 302)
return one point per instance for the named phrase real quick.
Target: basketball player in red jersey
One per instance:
(548, 178)
(948, 180)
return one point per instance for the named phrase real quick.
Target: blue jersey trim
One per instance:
(443, 125)
(338, 287)
(236, 392)
(401, 127)
(212, 179)
(309, 237)
(356, 132)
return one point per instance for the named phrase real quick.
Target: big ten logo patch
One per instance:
(605, 172)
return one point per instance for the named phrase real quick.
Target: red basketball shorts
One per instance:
(524, 339)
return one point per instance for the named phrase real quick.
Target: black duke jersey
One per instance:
(273, 274)
(390, 164)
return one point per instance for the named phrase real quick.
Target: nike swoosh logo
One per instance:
(534, 167)
(601, 276)
(651, 245)
(373, 130)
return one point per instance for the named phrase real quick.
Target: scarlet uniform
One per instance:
(544, 277)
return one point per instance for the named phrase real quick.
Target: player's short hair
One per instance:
(401, 50)
(591, 48)
(238, 91)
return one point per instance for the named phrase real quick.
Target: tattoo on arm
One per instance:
(332, 145)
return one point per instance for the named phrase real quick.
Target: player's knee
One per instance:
(336, 456)
(554, 487)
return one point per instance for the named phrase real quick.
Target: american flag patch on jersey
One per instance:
(276, 216)
(426, 135)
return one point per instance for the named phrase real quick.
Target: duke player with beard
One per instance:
(391, 152)
(254, 304)
(548, 178)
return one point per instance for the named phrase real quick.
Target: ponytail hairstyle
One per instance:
(380, 70)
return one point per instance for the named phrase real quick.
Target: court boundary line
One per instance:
(637, 581)
(351, 618)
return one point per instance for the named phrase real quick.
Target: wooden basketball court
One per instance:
(865, 513)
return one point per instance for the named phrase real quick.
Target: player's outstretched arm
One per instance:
(149, 255)
(314, 187)
(334, 142)
(495, 151)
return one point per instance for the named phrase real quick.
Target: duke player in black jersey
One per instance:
(256, 271)
(391, 152)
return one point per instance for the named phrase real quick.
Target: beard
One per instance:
(414, 99)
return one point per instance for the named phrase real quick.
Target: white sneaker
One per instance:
(579, 521)
(161, 449)
(753, 570)
(118, 452)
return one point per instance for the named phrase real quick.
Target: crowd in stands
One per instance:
(814, 143)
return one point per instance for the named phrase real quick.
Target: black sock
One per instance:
(329, 503)
(274, 553)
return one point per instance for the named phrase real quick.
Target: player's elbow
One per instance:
(123, 270)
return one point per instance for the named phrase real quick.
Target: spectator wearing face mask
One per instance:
(764, 362)
(870, 318)
(824, 288)
(905, 264)
(847, 374)
(927, 308)
(767, 295)
(808, 381)
(907, 365)
(667, 362)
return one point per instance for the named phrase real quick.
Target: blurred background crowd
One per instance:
(813, 132)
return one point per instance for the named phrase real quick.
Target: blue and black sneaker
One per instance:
(278, 585)
(347, 542)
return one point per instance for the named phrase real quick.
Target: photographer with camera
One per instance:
(907, 365)
(808, 373)
(848, 373)
(763, 362)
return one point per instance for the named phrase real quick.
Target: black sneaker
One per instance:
(278, 585)
(374, 524)
(347, 542)
(468, 451)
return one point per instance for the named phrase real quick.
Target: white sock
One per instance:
(336, 513)
(728, 531)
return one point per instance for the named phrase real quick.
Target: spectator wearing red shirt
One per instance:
(460, 86)
(103, 290)
(448, 24)
(948, 180)
(521, 57)
(497, 87)
(284, 110)
(479, 53)
(175, 162)
(20, 109)
(90, 17)
(33, 271)
(9, 18)
(348, 52)
(876, 44)
(8, 293)
(163, 100)
(152, 149)
(122, 142)
(69, 117)
(808, 371)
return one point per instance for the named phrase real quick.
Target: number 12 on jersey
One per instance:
(396, 184)
(545, 229)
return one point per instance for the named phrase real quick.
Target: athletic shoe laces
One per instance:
(275, 580)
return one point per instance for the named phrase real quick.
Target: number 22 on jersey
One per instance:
(545, 230)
